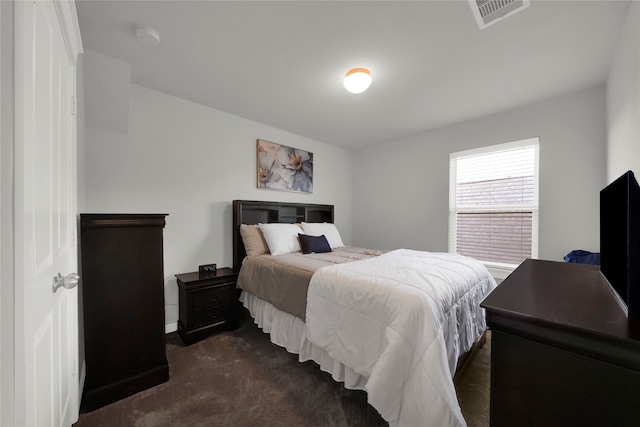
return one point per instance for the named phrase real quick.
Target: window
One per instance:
(493, 204)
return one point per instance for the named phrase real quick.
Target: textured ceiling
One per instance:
(281, 63)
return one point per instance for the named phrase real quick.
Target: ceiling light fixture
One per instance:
(357, 80)
(147, 35)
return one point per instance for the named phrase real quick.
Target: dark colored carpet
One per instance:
(239, 378)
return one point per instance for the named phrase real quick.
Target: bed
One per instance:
(397, 324)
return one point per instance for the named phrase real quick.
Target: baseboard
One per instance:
(171, 327)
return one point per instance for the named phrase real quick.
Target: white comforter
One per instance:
(389, 318)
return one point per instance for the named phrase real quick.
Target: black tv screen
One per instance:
(620, 239)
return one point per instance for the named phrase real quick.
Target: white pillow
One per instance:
(324, 228)
(281, 238)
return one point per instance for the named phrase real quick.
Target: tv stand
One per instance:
(563, 351)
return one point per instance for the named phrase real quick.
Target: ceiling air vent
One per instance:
(488, 12)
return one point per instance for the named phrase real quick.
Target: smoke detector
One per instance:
(147, 35)
(488, 12)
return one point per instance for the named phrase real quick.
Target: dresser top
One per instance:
(121, 220)
(195, 277)
(563, 295)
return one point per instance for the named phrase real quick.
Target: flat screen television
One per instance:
(620, 239)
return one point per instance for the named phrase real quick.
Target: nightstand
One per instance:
(208, 303)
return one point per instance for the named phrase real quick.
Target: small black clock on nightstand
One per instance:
(208, 303)
(207, 270)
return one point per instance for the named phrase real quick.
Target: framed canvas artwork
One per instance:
(284, 168)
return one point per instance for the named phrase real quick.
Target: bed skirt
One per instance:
(464, 325)
(288, 331)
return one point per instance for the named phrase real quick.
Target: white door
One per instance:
(45, 216)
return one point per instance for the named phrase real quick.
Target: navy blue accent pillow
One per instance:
(313, 244)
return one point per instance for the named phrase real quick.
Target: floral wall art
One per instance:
(284, 168)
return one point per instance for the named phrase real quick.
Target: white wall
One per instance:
(81, 134)
(7, 312)
(191, 161)
(80, 178)
(623, 100)
(107, 92)
(401, 188)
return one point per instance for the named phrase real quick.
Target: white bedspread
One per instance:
(385, 318)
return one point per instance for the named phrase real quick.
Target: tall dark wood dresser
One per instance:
(122, 287)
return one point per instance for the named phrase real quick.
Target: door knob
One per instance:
(69, 281)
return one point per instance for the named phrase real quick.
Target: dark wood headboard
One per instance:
(254, 212)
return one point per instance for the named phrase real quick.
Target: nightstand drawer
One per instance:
(211, 315)
(212, 297)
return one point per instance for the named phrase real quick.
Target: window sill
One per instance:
(499, 271)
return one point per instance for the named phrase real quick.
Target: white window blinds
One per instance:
(494, 203)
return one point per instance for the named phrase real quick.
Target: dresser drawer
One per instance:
(213, 297)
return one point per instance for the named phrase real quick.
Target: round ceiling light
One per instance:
(357, 80)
